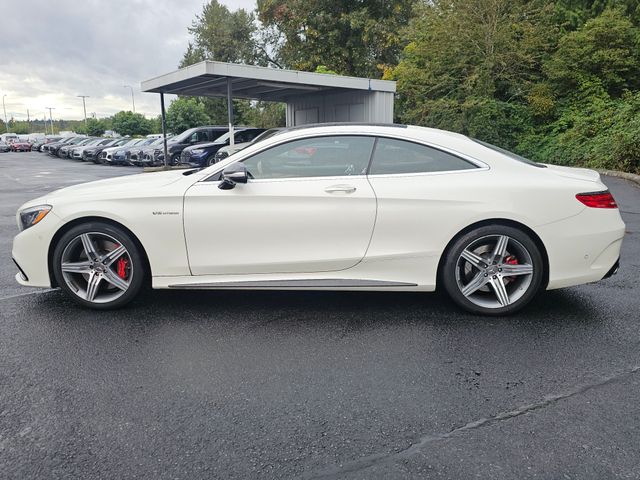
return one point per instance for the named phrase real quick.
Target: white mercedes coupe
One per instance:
(331, 207)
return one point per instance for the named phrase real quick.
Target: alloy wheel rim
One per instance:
(97, 267)
(494, 271)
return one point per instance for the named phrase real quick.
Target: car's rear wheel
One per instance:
(99, 265)
(493, 270)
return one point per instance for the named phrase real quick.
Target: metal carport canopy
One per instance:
(232, 80)
(210, 79)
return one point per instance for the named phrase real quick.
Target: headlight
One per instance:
(221, 155)
(30, 216)
(197, 151)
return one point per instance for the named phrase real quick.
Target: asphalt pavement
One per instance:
(314, 385)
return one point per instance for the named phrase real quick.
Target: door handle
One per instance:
(340, 189)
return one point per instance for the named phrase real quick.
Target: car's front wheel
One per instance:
(493, 270)
(99, 265)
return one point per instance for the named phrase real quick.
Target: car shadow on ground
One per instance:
(569, 307)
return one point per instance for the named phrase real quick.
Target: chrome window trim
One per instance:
(480, 165)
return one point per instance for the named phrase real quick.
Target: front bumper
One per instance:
(31, 250)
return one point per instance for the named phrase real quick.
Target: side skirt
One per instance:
(303, 283)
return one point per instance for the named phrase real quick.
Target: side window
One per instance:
(244, 136)
(215, 134)
(400, 156)
(199, 136)
(313, 157)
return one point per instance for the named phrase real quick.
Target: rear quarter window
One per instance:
(392, 156)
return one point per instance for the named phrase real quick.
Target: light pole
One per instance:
(5, 113)
(132, 100)
(50, 117)
(84, 107)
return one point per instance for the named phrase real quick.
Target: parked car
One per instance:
(9, 137)
(204, 154)
(137, 154)
(193, 136)
(20, 146)
(77, 151)
(65, 151)
(106, 156)
(4, 147)
(122, 155)
(92, 154)
(229, 150)
(48, 140)
(106, 153)
(52, 148)
(347, 207)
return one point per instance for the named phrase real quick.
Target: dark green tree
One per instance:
(94, 127)
(349, 37)
(186, 112)
(606, 50)
(129, 123)
(469, 65)
(226, 36)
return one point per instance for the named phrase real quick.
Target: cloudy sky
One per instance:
(63, 48)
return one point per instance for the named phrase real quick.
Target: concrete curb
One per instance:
(632, 177)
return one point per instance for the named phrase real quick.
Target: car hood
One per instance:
(82, 148)
(112, 188)
(114, 149)
(203, 145)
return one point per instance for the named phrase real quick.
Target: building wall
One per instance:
(360, 106)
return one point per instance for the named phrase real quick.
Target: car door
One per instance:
(307, 208)
(425, 196)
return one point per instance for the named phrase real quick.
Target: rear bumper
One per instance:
(584, 248)
(613, 270)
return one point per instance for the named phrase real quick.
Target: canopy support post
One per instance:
(164, 131)
(230, 110)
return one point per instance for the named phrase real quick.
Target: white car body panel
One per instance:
(324, 229)
(390, 233)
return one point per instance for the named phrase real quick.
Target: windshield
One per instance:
(183, 136)
(224, 138)
(158, 142)
(511, 155)
(266, 134)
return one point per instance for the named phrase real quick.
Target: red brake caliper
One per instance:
(510, 260)
(121, 267)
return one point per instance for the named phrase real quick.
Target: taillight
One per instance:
(598, 199)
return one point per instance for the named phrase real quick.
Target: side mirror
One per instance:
(232, 175)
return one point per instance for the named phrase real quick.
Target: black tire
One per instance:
(211, 161)
(453, 272)
(137, 273)
(174, 160)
